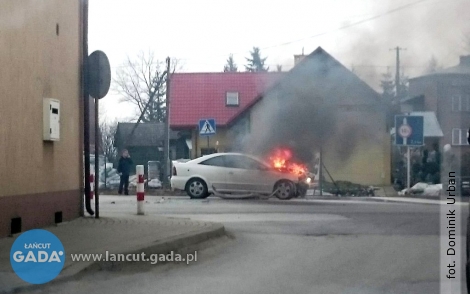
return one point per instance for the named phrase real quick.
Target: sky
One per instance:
(201, 34)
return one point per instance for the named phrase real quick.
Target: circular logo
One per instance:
(37, 256)
(405, 131)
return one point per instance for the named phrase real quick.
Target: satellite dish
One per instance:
(99, 74)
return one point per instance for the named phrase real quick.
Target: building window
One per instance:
(461, 103)
(231, 99)
(459, 137)
(456, 103)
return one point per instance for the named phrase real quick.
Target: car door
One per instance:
(233, 174)
(262, 175)
(215, 172)
(245, 174)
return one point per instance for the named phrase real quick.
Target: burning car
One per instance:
(282, 160)
(234, 173)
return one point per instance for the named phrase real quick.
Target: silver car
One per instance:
(232, 173)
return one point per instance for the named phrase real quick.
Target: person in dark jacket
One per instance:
(124, 169)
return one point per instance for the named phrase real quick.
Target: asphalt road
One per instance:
(345, 246)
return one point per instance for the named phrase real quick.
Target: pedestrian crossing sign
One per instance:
(207, 127)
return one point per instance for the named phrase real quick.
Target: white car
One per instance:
(231, 173)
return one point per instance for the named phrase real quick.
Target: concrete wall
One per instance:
(40, 54)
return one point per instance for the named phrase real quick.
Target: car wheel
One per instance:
(197, 189)
(284, 190)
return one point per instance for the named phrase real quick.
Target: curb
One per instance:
(176, 244)
(412, 200)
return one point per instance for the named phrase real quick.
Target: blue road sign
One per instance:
(207, 127)
(409, 130)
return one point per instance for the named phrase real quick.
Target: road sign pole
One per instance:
(409, 131)
(408, 168)
(320, 172)
(207, 127)
(97, 159)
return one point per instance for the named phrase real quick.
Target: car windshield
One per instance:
(235, 146)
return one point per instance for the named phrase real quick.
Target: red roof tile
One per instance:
(195, 96)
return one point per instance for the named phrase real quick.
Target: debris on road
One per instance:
(423, 189)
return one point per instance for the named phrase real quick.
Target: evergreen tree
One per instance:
(230, 66)
(388, 86)
(255, 62)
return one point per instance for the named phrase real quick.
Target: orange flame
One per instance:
(281, 160)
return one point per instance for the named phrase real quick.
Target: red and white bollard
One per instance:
(140, 189)
(92, 184)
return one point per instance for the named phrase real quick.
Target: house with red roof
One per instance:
(319, 105)
(221, 96)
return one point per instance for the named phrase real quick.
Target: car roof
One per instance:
(205, 157)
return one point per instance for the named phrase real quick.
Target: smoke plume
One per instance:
(303, 111)
(427, 29)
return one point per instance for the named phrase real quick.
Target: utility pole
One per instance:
(166, 148)
(86, 111)
(397, 100)
(397, 74)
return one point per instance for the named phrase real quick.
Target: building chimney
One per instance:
(297, 59)
(465, 60)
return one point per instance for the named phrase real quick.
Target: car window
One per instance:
(214, 161)
(250, 163)
(243, 162)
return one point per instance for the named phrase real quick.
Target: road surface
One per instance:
(343, 246)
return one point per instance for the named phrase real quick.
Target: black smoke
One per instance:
(312, 107)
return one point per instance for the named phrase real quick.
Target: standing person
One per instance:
(124, 169)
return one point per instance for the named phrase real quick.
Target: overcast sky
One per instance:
(201, 34)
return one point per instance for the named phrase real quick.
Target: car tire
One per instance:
(197, 189)
(285, 190)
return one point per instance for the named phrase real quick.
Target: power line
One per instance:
(353, 24)
(287, 66)
(291, 64)
(337, 29)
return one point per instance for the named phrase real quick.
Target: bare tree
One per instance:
(466, 42)
(108, 131)
(432, 65)
(142, 82)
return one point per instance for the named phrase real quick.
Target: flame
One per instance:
(281, 159)
(297, 168)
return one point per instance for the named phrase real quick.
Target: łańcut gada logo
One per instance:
(37, 256)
